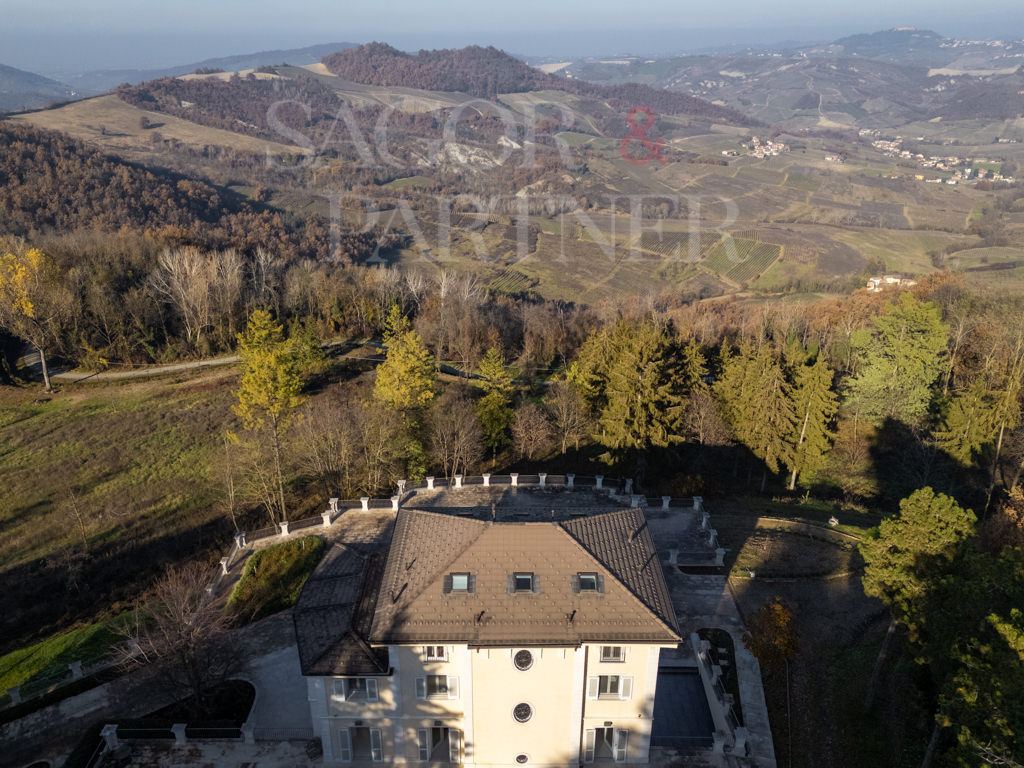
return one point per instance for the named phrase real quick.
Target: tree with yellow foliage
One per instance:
(34, 302)
(269, 391)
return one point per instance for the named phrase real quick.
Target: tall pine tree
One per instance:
(755, 398)
(899, 362)
(642, 401)
(814, 405)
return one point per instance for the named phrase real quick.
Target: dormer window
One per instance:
(459, 583)
(587, 581)
(523, 581)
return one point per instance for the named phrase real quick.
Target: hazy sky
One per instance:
(54, 35)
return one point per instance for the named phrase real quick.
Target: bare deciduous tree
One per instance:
(181, 636)
(183, 278)
(702, 420)
(531, 431)
(456, 439)
(568, 412)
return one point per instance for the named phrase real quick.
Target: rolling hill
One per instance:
(23, 90)
(103, 80)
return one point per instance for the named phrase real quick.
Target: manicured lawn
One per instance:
(273, 578)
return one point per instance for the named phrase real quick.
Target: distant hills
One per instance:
(22, 90)
(881, 80)
(487, 72)
(103, 80)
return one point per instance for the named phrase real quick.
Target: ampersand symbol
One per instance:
(639, 132)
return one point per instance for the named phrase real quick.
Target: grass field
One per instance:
(135, 457)
(114, 125)
(104, 485)
(50, 657)
(273, 578)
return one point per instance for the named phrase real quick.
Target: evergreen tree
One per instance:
(269, 391)
(912, 549)
(815, 407)
(693, 367)
(756, 403)
(642, 402)
(406, 379)
(494, 409)
(968, 424)
(899, 362)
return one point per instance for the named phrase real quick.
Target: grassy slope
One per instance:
(137, 456)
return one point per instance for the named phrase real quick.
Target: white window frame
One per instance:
(423, 688)
(376, 746)
(523, 574)
(616, 653)
(623, 687)
(368, 692)
(620, 745)
(435, 653)
(589, 745)
(454, 745)
(464, 577)
(423, 743)
(588, 575)
(344, 746)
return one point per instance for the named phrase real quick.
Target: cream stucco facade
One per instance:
(454, 704)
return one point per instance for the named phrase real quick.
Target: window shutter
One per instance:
(423, 740)
(589, 741)
(536, 583)
(511, 583)
(625, 652)
(625, 687)
(455, 746)
(421, 687)
(338, 689)
(453, 687)
(592, 687)
(344, 745)
(371, 690)
(600, 583)
(575, 583)
(376, 750)
(621, 738)
(472, 583)
(448, 584)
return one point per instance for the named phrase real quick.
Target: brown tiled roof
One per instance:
(412, 605)
(334, 613)
(622, 541)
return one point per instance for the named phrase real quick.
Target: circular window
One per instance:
(522, 712)
(523, 660)
(522, 759)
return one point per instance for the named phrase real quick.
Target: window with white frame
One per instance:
(587, 582)
(439, 745)
(435, 653)
(360, 744)
(613, 653)
(354, 689)
(437, 687)
(610, 687)
(522, 581)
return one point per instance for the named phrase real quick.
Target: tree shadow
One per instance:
(904, 459)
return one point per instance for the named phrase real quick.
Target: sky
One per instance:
(64, 36)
